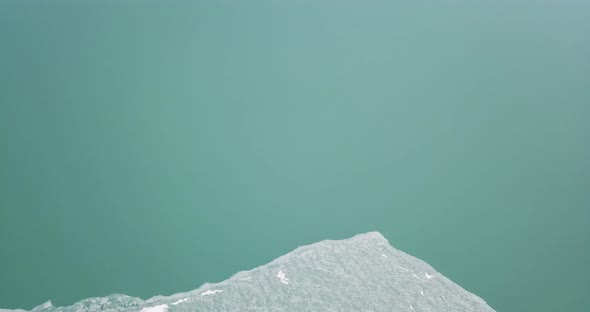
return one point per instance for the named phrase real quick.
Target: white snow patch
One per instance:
(158, 308)
(428, 276)
(422, 293)
(401, 267)
(211, 292)
(180, 301)
(384, 256)
(283, 277)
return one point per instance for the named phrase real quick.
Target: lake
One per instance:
(149, 147)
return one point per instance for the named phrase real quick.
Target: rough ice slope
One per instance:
(363, 273)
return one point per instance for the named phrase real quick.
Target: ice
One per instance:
(362, 273)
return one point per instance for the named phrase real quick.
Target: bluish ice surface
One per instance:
(363, 273)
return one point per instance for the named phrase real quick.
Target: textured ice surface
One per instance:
(363, 273)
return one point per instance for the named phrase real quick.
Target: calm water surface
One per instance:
(149, 147)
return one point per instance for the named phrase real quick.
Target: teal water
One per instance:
(146, 148)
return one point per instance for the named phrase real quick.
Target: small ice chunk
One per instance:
(283, 277)
(180, 301)
(211, 292)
